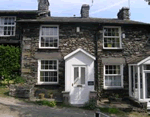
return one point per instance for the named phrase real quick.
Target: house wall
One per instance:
(69, 40)
(134, 44)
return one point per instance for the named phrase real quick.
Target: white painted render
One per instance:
(79, 58)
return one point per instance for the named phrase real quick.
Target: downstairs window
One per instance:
(48, 71)
(113, 76)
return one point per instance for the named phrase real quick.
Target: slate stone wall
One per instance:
(134, 44)
(69, 40)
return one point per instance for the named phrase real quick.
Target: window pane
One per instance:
(76, 73)
(110, 39)
(112, 69)
(82, 75)
(147, 67)
(49, 64)
(49, 36)
(48, 76)
(7, 26)
(112, 80)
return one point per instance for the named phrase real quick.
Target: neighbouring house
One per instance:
(81, 57)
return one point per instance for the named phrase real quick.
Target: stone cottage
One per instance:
(81, 57)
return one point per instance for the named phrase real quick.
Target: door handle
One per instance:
(72, 84)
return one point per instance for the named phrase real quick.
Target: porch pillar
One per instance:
(143, 77)
(138, 71)
(129, 68)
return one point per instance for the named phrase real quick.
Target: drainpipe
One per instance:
(96, 61)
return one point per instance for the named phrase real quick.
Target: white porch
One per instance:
(139, 80)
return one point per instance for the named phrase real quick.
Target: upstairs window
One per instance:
(49, 37)
(112, 38)
(7, 26)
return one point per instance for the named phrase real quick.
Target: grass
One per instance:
(4, 91)
(46, 102)
(113, 111)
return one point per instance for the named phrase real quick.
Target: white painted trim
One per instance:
(39, 66)
(79, 68)
(121, 74)
(76, 51)
(143, 82)
(143, 61)
(40, 31)
(139, 87)
(120, 39)
(9, 25)
(134, 78)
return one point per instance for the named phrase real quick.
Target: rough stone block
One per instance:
(26, 70)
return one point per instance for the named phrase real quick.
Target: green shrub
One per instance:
(90, 105)
(47, 103)
(19, 79)
(52, 104)
(9, 62)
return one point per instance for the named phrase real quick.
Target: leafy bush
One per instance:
(52, 104)
(9, 62)
(19, 79)
(90, 105)
(47, 103)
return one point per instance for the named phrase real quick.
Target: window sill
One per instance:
(112, 88)
(48, 48)
(7, 35)
(47, 83)
(113, 49)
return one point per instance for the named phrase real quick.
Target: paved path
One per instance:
(11, 107)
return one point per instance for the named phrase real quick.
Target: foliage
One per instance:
(110, 110)
(4, 91)
(19, 79)
(47, 103)
(90, 105)
(9, 62)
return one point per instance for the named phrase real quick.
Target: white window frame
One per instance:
(121, 74)
(40, 35)
(79, 67)
(9, 25)
(39, 69)
(119, 28)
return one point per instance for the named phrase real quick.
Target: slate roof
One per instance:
(137, 59)
(83, 20)
(18, 11)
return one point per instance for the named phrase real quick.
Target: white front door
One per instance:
(79, 94)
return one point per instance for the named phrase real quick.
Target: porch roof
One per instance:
(138, 60)
(76, 51)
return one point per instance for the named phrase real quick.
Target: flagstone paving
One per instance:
(11, 107)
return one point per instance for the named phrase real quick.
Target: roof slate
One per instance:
(18, 11)
(82, 20)
(136, 59)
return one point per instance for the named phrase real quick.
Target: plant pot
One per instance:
(51, 96)
(41, 96)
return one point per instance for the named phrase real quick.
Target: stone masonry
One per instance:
(134, 44)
